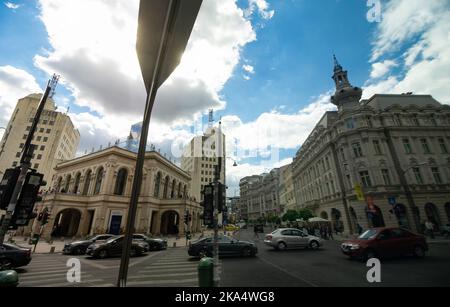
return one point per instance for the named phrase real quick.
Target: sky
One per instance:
(264, 66)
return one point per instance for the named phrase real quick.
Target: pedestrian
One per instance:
(430, 228)
(255, 229)
(330, 233)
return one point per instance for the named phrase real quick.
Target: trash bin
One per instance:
(206, 273)
(9, 279)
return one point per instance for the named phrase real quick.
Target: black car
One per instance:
(80, 247)
(13, 256)
(155, 244)
(113, 247)
(227, 247)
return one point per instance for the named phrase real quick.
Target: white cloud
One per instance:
(14, 84)
(425, 64)
(248, 68)
(11, 5)
(380, 69)
(261, 6)
(246, 77)
(98, 63)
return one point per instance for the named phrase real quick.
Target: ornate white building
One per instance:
(396, 147)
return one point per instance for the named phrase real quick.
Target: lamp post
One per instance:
(164, 28)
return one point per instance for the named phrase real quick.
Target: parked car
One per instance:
(113, 247)
(80, 247)
(155, 244)
(227, 247)
(13, 256)
(385, 243)
(290, 238)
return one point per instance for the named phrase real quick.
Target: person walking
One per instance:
(330, 233)
(255, 230)
(430, 228)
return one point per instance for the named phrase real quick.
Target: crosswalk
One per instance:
(176, 269)
(44, 272)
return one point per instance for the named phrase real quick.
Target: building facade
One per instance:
(379, 162)
(260, 196)
(286, 189)
(199, 159)
(56, 138)
(91, 195)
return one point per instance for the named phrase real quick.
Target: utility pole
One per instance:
(27, 155)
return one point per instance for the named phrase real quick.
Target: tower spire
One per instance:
(346, 94)
(337, 66)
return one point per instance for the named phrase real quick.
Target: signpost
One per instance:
(164, 28)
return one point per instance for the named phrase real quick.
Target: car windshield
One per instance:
(368, 235)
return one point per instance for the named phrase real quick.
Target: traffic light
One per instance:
(28, 197)
(208, 205)
(7, 186)
(45, 217)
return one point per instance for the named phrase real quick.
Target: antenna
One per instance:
(53, 83)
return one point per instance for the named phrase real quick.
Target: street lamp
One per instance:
(164, 28)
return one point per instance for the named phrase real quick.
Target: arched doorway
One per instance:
(375, 216)
(447, 210)
(66, 223)
(336, 216)
(353, 219)
(170, 222)
(433, 215)
(402, 216)
(324, 215)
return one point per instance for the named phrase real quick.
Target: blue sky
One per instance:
(261, 64)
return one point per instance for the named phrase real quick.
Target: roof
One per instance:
(383, 101)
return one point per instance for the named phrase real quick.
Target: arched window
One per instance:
(185, 192)
(67, 184)
(179, 191)
(174, 184)
(121, 182)
(77, 183)
(98, 181)
(157, 185)
(166, 187)
(58, 184)
(87, 182)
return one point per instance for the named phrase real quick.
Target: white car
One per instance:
(290, 238)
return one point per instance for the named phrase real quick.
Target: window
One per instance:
(18, 155)
(41, 130)
(14, 164)
(45, 139)
(397, 121)
(45, 122)
(386, 177)
(39, 138)
(436, 175)
(21, 145)
(357, 151)
(350, 123)
(28, 128)
(443, 146)
(377, 147)
(121, 182)
(407, 146)
(52, 123)
(415, 120)
(42, 148)
(25, 136)
(433, 120)
(425, 146)
(418, 175)
(36, 166)
(39, 157)
(49, 130)
(365, 178)
(369, 122)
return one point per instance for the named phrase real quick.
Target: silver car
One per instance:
(289, 238)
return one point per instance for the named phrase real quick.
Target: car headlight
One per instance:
(355, 247)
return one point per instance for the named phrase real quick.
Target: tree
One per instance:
(305, 214)
(291, 216)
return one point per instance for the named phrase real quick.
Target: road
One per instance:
(295, 268)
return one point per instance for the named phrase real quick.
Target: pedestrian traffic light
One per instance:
(28, 197)
(7, 186)
(208, 205)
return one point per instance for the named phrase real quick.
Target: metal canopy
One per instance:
(180, 16)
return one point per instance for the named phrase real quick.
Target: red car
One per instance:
(385, 243)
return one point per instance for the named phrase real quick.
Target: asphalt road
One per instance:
(328, 267)
(294, 268)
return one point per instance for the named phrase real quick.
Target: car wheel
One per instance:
(5, 264)
(419, 251)
(246, 252)
(314, 245)
(281, 246)
(103, 254)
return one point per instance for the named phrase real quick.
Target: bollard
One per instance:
(174, 244)
(9, 279)
(206, 273)
(52, 250)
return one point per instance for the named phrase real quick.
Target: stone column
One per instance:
(108, 182)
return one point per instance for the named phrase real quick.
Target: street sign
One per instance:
(153, 15)
(392, 201)
(359, 192)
